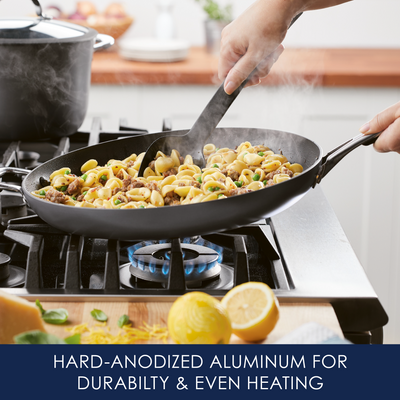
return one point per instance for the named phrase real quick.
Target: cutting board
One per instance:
(292, 316)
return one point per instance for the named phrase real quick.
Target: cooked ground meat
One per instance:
(130, 163)
(74, 186)
(80, 197)
(234, 175)
(116, 190)
(120, 174)
(195, 184)
(286, 171)
(55, 196)
(272, 174)
(152, 165)
(171, 171)
(181, 160)
(152, 186)
(235, 192)
(172, 199)
(135, 184)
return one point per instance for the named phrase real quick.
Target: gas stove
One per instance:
(301, 253)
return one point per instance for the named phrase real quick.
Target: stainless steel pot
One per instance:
(45, 69)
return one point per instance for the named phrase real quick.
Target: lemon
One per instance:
(199, 318)
(253, 310)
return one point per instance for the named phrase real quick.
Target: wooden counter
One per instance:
(322, 67)
(292, 316)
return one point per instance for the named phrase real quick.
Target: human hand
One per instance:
(253, 42)
(387, 121)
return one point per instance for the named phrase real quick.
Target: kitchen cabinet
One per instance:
(328, 106)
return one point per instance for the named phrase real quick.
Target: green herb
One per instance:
(99, 315)
(256, 177)
(141, 206)
(123, 320)
(73, 339)
(215, 11)
(67, 172)
(73, 198)
(84, 177)
(118, 201)
(238, 183)
(108, 164)
(56, 317)
(85, 193)
(265, 182)
(215, 166)
(103, 177)
(42, 193)
(37, 337)
(260, 153)
(199, 179)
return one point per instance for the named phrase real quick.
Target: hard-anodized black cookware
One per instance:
(183, 220)
(45, 69)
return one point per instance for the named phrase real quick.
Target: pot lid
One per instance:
(42, 30)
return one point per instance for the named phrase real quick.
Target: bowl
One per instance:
(114, 27)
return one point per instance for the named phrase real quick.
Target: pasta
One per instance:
(169, 179)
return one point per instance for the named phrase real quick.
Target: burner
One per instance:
(151, 262)
(223, 281)
(10, 275)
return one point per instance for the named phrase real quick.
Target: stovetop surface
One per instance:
(307, 257)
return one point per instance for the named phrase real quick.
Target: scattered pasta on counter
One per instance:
(169, 180)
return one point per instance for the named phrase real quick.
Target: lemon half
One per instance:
(199, 318)
(253, 309)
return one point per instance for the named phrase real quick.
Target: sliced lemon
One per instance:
(253, 309)
(199, 318)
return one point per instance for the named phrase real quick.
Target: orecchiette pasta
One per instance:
(169, 179)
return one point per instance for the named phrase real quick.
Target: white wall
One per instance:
(360, 23)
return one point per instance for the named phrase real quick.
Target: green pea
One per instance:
(84, 177)
(141, 206)
(215, 166)
(238, 183)
(220, 195)
(85, 193)
(116, 202)
(260, 153)
(256, 177)
(265, 182)
(67, 172)
(73, 198)
(211, 189)
(199, 179)
(42, 193)
(103, 177)
(63, 188)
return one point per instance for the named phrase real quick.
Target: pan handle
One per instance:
(334, 156)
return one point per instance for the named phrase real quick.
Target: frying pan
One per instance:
(183, 220)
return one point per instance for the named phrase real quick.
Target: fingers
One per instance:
(387, 122)
(246, 65)
(389, 139)
(382, 120)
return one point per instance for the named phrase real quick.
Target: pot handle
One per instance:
(8, 186)
(334, 156)
(103, 42)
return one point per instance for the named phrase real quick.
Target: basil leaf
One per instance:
(40, 306)
(123, 320)
(99, 315)
(56, 317)
(73, 339)
(37, 337)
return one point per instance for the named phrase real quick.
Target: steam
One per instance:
(47, 83)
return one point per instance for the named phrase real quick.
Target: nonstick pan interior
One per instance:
(183, 220)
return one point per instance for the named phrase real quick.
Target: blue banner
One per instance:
(198, 371)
